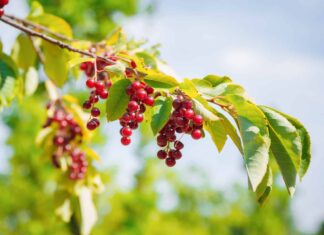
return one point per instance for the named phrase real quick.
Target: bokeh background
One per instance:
(273, 48)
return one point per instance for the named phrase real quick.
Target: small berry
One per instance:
(139, 117)
(95, 112)
(133, 64)
(149, 90)
(126, 131)
(136, 85)
(91, 125)
(91, 83)
(170, 161)
(196, 134)
(149, 101)
(141, 94)
(162, 154)
(86, 104)
(132, 106)
(125, 140)
(104, 94)
(1, 12)
(100, 85)
(178, 145)
(198, 120)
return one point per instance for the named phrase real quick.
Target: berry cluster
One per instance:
(67, 137)
(140, 95)
(183, 120)
(99, 83)
(2, 4)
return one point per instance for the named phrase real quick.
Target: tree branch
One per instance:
(49, 39)
(38, 27)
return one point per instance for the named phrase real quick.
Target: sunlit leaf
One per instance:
(23, 52)
(160, 113)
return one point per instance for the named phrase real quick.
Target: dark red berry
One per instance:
(133, 64)
(126, 131)
(91, 125)
(125, 140)
(58, 140)
(176, 103)
(149, 90)
(170, 161)
(100, 85)
(162, 154)
(1, 12)
(177, 154)
(178, 145)
(187, 104)
(95, 112)
(196, 134)
(86, 105)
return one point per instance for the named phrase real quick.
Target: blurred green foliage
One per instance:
(94, 19)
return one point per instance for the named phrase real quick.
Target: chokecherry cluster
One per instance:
(183, 120)
(2, 4)
(68, 136)
(141, 95)
(99, 83)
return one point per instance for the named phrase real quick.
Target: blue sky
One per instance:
(273, 48)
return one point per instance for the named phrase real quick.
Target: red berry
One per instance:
(139, 117)
(189, 113)
(149, 90)
(141, 94)
(161, 154)
(95, 112)
(91, 125)
(149, 101)
(133, 64)
(103, 94)
(100, 85)
(125, 140)
(126, 131)
(58, 140)
(177, 154)
(130, 90)
(198, 120)
(196, 134)
(1, 12)
(91, 83)
(176, 103)
(86, 104)
(132, 106)
(3, 3)
(187, 104)
(170, 161)
(93, 99)
(136, 85)
(133, 125)
(178, 145)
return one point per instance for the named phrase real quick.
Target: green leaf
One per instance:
(287, 133)
(284, 162)
(118, 100)
(118, 68)
(217, 132)
(265, 187)
(160, 113)
(305, 140)
(188, 87)
(56, 63)
(31, 81)
(23, 52)
(256, 142)
(215, 80)
(158, 80)
(149, 60)
(202, 107)
(54, 23)
(231, 132)
(8, 80)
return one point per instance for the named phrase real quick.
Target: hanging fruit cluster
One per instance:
(99, 83)
(183, 120)
(141, 95)
(66, 140)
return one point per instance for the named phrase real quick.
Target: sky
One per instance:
(272, 48)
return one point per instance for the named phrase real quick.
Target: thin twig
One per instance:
(49, 39)
(37, 49)
(38, 27)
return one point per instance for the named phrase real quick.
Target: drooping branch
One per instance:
(49, 39)
(38, 27)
